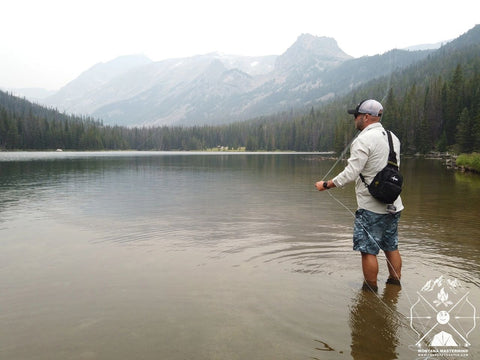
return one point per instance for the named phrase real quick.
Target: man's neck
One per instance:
(370, 124)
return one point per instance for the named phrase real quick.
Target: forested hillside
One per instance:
(433, 104)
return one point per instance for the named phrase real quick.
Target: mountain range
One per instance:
(216, 88)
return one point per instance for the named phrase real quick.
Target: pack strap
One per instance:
(392, 156)
(363, 179)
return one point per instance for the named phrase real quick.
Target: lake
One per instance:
(168, 255)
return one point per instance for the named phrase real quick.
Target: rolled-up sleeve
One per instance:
(356, 162)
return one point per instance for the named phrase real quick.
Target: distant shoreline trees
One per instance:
(439, 113)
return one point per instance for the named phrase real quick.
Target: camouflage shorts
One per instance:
(372, 232)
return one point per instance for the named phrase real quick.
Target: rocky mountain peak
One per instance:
(313, 43)
(219, 88)
(309, 49)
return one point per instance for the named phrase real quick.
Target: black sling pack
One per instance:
(386, 186)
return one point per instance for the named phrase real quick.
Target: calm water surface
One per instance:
(216, 256)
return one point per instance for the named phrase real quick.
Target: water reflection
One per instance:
(374, 324)
(230, 252)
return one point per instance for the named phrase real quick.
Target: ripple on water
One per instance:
(310, 253)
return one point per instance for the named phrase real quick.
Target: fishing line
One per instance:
(392, 64)
(389, 84)
(404, 320)
(342, 204)
(399, 315)
(348, 209)
(341, 156)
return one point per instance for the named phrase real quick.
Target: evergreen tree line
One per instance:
(439, 114)
(436, 110)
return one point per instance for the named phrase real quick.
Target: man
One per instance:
(376, 226)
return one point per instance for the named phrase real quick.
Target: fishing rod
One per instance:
(402, 319)
(347, 147)
(351, 212)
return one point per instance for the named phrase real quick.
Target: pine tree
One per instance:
(454, 103)
(465, 132)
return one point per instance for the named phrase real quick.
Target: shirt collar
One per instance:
(373, 126)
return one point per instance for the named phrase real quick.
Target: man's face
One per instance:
(360, 121)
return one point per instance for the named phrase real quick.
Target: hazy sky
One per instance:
(47, 43)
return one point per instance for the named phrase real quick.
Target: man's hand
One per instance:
(320, 185)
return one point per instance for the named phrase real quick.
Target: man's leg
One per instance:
(394, 263)
(370, 270)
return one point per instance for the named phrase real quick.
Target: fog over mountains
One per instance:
(216, 88)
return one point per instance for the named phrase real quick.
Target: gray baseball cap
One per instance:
(370, 106)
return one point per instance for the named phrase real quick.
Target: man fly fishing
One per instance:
(376, 223)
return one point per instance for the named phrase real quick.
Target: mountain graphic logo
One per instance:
(443, 317)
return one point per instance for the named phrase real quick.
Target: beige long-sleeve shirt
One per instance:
(368, 155)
